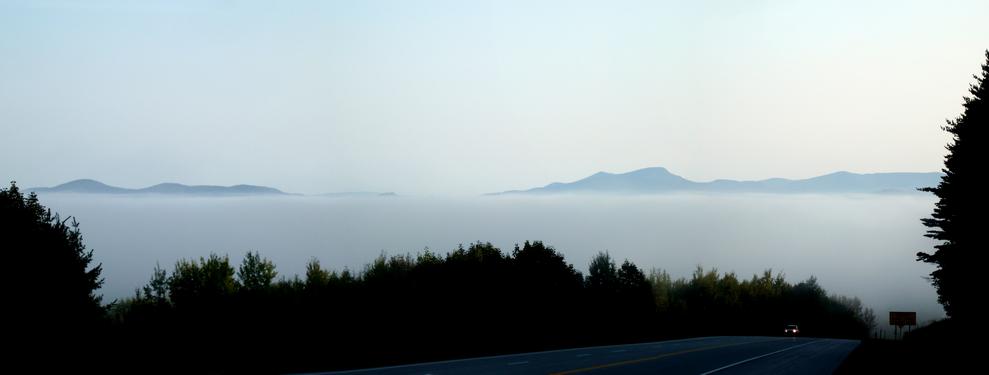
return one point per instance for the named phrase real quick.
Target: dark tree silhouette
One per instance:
(602, 275)
(547, 293)
(634, 289)
(960, 256)
(48, 282)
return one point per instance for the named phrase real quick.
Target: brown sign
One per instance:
(902, 318)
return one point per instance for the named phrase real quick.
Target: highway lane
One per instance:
(703, 355)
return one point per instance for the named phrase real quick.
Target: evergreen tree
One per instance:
(51, 281)
(52, 310)
(959, 256)
(156, 291)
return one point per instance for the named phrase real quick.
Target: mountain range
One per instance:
(659, 180)
(87, 186)
(652, 180)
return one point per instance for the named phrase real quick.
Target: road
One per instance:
(703, 355)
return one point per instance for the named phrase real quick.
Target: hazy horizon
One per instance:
(29, 187)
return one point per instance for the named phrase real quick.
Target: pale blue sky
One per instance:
(465, 97)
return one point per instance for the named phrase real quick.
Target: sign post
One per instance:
(898, 319)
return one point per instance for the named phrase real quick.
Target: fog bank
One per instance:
(861, 245)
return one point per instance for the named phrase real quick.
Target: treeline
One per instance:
(471, 301)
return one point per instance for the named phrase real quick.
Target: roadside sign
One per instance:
(902, 318)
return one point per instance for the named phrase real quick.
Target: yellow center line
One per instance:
(652, 358)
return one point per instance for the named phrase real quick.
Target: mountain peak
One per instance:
(83, 185)
(637, 181)
(650, 170)
(84, 182)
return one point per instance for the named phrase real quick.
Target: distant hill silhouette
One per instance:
(659, 180)
(95, 187)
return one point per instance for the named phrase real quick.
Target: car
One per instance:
(791, 330)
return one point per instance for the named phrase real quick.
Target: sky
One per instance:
(469, 97)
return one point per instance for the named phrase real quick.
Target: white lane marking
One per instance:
(583, 355)
(619, 351)
(757, 357)
(517, 363)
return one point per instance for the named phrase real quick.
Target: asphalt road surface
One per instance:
(703, 355)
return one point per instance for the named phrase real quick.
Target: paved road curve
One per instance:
(704, 355)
